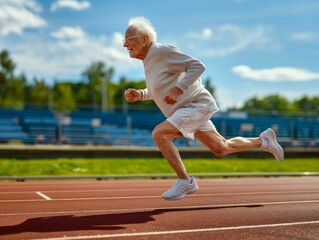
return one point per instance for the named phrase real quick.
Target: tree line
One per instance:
(96, 90)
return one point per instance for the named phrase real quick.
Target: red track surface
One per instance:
(260, 208)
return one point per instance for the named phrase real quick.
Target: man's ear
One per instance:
(145, 39)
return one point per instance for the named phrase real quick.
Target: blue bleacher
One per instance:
(316, 131)
(304, 129)
(10, 130)
(40, 129)
(35, 125)
(135, 128)
(123, 136)
(82, 131)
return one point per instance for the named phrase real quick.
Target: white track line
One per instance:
(130, 210)
(92, 190)
(157, 196)
(153, 189)
(136, 234)
(43, 196)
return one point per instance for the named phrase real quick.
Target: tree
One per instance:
(11, 86)
(252, 104)
(270, 103)
(81, 94)
(98, 77)
(98, 90)
(6, 67)
(38, 95)
(306, 104)
(210, 88)
(63, 99)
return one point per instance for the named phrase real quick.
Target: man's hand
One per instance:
(172, 96)
(132, 95)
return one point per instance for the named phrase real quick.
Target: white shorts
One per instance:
(188, 120)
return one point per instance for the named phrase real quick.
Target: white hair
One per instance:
(143, 26)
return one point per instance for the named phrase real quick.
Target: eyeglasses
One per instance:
(125, 39)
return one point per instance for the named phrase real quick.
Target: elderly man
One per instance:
(174, 84)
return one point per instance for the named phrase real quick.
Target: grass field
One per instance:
(104, 166)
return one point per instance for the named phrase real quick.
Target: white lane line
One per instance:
(148, 189)
(43, 195)
(95, 190)
(81, 199)
(158, 196)
(119, 235)
(130, 210)
(144, 197)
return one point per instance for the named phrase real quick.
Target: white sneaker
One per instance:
(180, 189)
(273, 146)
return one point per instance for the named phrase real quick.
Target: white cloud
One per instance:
(68, 53)
(277, 74)
(229, 39)
(305, 36)
(72, 4)
(204, 34)
(17, 15)
(207, 33)
(68, 33)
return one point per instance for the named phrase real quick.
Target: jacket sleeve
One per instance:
(146, 95)
(181, 63)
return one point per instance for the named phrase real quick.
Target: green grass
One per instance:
(84, 166)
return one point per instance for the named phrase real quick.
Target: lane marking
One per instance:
(82, 199)
(92, 190)
(157, 196)
(119, 235)
(155, 189)
(130, 210)
(43, 196)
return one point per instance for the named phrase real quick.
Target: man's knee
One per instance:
(155, 133)
(158, 134)
(162, 133)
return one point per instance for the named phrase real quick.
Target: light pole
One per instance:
(104, 94)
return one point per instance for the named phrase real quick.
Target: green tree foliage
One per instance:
(306, 104)
(271, 103)
(208, 85)
(63, 97)
(98, 91)
(11, 86)
(38, 94)
(6, 67)
(81, 94)
(98, 81)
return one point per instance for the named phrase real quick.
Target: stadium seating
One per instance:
(40, 129)
(35, 125)
(10, 130)
(135, 128)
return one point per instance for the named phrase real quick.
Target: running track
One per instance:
(234, 208)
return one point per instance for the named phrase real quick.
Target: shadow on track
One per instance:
(94, 222)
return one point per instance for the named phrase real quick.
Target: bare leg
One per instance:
(163, 135)
(221, 147)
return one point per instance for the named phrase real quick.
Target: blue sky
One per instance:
(249, 47)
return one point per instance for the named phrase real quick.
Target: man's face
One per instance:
(133, 41)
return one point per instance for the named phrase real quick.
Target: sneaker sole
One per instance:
(179, 197)
(273, 137)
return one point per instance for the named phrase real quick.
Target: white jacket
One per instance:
(166, 67)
